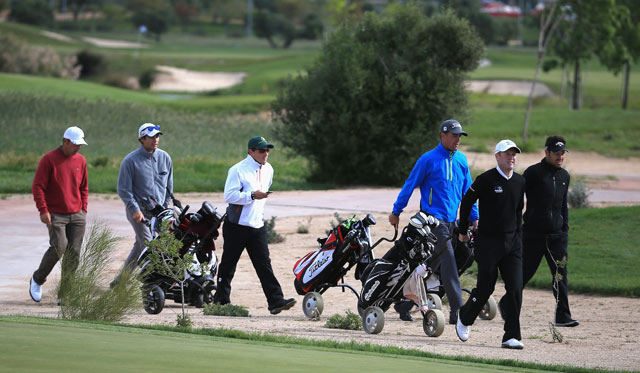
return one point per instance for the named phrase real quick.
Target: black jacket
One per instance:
(546, 189)
(501, 203)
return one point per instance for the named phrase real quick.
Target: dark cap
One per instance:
(259, 142)
(452, 126)
(555, 145)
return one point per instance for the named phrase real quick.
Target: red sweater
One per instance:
(60, 185)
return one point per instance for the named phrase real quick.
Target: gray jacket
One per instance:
(145, 177)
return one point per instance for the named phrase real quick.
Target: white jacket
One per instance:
(243, 178)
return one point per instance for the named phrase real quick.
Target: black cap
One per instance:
(452, 126)
(555, 145)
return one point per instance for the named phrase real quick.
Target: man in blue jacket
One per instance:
(443, 177)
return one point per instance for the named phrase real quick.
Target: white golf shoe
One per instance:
(35, 290)
(462, 330)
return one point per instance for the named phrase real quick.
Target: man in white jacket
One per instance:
(246, 191)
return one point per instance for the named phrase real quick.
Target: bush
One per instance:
(225, 310)
(156, 20)
(33, 12)
(578, 196)
(374, 99)
(350, 321)
(147, 78)
(91, 64)
(81, 293)
(18, 57)
(272, 235)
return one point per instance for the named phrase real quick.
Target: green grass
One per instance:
(34, 344)
(203, 146)
(603, 256)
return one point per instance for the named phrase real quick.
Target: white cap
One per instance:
(75, 135)
(148, 129)
(505, 145)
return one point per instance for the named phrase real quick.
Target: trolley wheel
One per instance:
(312, 305)
(373, 320)
(361, 311)
(433, 323)
(154, 300)
(198, 300)
(489, 310)
(434, 302)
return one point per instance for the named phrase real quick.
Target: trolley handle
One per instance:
(395, 235)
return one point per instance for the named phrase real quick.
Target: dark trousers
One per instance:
(495, 254)
(236, 239)
(66, 233)
(554, 248)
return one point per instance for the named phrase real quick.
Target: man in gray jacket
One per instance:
(145, 180)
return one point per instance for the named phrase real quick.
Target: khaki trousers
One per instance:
(66, 233)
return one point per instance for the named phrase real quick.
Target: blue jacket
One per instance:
(443, 178)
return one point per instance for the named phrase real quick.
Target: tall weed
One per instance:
(83, 296)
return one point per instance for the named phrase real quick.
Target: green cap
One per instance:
(259, 142)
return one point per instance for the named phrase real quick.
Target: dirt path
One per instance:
(608, 337)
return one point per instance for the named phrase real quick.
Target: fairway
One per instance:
(52, 345)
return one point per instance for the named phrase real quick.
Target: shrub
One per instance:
(272, 235)
(18, 57)
(578, 196)
(100, 162)
(350, 321)
(374, 99)
(225, 310)
(91, 63)
(81, 293)
(33, 12)
(184, 321)
(147, 78)
(304, 228)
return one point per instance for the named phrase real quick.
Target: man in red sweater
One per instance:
(61, 193)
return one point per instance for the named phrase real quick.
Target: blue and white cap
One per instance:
(148, 129)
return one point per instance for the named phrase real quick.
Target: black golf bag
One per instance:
(197, 232)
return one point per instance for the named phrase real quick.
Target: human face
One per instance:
(506, 160)
(150, 144)
(450, 141)
(69, 148)
(260, 155)
(555, 158)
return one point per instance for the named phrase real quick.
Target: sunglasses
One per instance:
(151, 128)
(265, 150)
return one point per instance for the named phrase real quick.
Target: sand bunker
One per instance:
(183, 80)
(55, 35)
(108, 43)
(509, 87)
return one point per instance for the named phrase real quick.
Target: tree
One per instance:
(548, 24)
(374, 98)
(269, 25)
(586, 27)
(185, 11)
(624, 47)
(156, 20)
(33, 12)
(165, 259)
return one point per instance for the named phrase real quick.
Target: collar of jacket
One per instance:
(443, 151)
(549, 166)
(252, 162)
(147, 154)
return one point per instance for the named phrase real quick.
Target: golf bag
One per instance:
(348, 245)
(398, 276)
(197, 232)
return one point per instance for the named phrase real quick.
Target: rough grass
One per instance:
(603, 255)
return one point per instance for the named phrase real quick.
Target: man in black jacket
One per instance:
(546, 224)
(498, 242)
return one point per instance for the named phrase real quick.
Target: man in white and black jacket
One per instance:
(246, 191)
(546, 223)
(498, 242)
